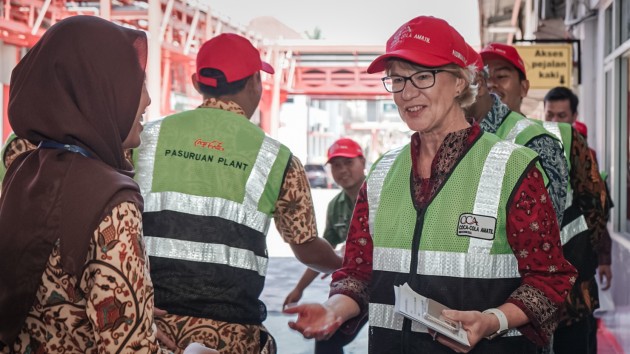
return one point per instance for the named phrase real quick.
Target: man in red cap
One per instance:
(212, 181)
(590, 250)
(496, 117)
(508, 78)
(347, 163)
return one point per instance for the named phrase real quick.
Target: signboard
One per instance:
(547, 65)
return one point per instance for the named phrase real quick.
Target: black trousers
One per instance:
(578, 338)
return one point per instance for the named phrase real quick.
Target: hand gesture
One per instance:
(314, 320)
(294, 296)
(605, 276)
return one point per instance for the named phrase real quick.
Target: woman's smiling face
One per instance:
(426, 110)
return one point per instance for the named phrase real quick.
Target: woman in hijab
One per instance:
(456, 215)
(75, 275)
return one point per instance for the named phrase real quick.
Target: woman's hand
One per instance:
(476, 324)
(314, 320)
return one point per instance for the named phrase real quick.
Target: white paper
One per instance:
(416, 307)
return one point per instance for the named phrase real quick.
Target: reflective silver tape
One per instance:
(517, 129)
(569, 197)
(375, 183)
(249, 216)
(206, 253)
(489, 190)
(553, 128)
(383, 316)
(146, 155)
(573, 228)
(448, 264)
(260, 172)
(246, 214)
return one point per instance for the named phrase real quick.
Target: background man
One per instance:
(212, 181)
(347, 164)
(496, 117)
(589, 250)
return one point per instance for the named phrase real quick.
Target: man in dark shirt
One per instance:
(348, 169)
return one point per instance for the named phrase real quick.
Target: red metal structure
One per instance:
(178, 28)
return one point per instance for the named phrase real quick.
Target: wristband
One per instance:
(503, 323)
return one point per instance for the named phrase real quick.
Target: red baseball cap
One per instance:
(581, 128)
(505, 52)
(234, 55)
(344, 147)
(426, 41)
(474, 58)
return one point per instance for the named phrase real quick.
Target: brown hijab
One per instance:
(79, 85)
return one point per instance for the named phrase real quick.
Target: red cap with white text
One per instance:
(234, 55)
(505, 52)
(426, 41)
(344, 147)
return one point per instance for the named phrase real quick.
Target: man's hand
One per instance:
(294, 296)
(605, 276)
(165, 340)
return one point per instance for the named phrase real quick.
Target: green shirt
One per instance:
(338, 218)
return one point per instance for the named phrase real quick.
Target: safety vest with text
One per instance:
(210, 181)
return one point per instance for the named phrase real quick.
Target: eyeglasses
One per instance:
(422, 80)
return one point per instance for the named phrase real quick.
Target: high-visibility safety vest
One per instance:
(574, 233)
(455, 251)
(520, 130)
(210, 181)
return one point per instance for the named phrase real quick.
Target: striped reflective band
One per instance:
(448, 264)
(245, 214)
(517, 129)
(207, 206)
(206, 252)
(573, 228)
(146, 155)
(489, 190)
(383, 316)
(260, 172)
(553, 128)
(375, 183)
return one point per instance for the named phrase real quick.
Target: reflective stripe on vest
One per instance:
(451, 263)
(246, 213)
(517, 129)
(383, 316)
(206, 252)
(375, 183)
(578, 225)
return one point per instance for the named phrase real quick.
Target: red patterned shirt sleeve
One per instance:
(547, 276)
(354, 276)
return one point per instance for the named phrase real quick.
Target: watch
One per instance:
(503, 323)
